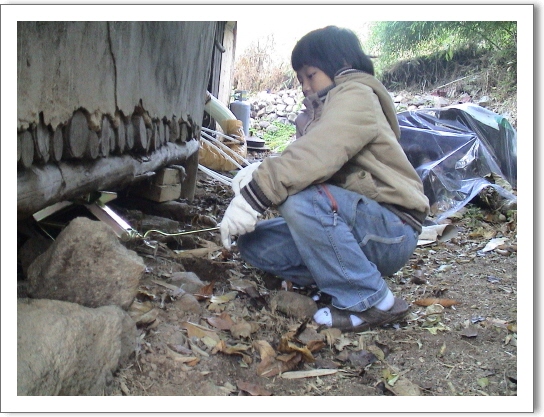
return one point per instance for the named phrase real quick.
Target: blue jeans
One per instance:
(345, 253)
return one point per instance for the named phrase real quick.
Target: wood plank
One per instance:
(160, 193)
(167, 176)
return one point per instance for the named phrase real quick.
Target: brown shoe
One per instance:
(371, 317)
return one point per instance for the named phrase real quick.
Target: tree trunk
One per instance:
(40, 187)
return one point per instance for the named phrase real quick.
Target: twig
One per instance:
(451, 82)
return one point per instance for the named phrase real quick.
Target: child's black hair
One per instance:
(331, 49)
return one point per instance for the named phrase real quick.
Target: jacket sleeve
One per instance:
(348, 123)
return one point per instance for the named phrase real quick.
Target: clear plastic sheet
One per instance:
(454, 149)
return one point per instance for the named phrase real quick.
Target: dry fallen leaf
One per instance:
(205, 292)
(404, 387)
(331, 334)
(362, 358)
(494, 243)
(276, 367)
(225, 298)
(376, 351)
(269, 365)
(241, 329)
(221, 322)
(143, 313)
(252, 389)
(180, 358)
(233, 350)
(199, 331)
(286, 346)
(243, 285)
(308, 374)
(445, 302)
(315, 345)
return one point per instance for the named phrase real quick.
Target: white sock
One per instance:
(387, 302)
(323, 315)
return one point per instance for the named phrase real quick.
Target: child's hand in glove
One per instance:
(243, 177)
(239, 218)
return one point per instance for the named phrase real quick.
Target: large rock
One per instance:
(66, 349)
(86, 265)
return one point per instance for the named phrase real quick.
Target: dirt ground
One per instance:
(460, 338)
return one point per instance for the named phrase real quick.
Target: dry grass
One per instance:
(258, 69)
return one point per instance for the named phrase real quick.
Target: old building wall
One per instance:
(105, 66)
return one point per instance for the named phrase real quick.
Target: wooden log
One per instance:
(140, 134)
(77, 133)
(120, 137)
(149, 134)
(166, 131)
(160, 126)
(113, 142)
(93, 148)
(130, 136)
(57, 144)
(106, 136)
(18, 148)
(42, 140)
(27, 149)
(174, 130)
(188, 186)
(154, 141)
(184, 131)
(42, 186)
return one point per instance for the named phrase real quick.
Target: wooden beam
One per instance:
(41, 186)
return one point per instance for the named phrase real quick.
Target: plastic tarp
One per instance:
(455, 150)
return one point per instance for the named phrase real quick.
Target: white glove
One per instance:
(239, 218)
(245, 175)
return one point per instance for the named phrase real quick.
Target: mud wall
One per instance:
(109, 66)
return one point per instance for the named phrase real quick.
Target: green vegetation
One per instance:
(395, 41)
(410, 55)
(277, 140)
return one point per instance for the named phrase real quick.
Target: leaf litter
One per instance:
(237, 330)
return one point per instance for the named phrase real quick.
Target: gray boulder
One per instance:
(66, 349)
(86, 265)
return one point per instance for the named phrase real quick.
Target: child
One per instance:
(351, 204)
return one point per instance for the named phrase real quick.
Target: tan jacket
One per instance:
(351, 141)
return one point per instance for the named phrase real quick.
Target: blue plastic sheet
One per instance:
(455, 150)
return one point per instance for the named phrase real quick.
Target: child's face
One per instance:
(312, 79)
